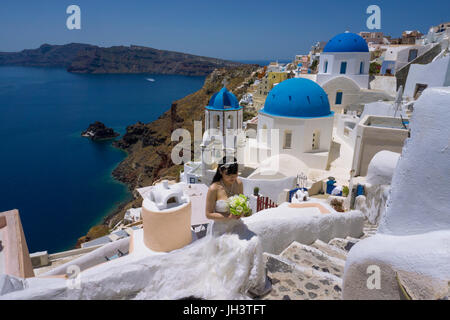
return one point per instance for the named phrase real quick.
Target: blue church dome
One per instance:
(223, 100)
(346, 42)
(297, 98)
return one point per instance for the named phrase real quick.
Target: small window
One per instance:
(419, 89)
(412, 54)
(287, 139)
(218, 122)
(230, 122)
(315, 139)
(343, 67)
(325, 69)
(264, 134)
(338, 97)
(361, 67)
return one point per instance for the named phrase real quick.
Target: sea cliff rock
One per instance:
(98, 131)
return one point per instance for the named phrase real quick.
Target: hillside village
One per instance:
(341, 153)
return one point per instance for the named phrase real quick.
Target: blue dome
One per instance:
(346, 42)
(223, 100)
(297, 98)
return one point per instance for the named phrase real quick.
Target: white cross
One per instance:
(224, 82)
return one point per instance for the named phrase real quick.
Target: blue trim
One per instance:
(223, 109)
(295, 117)
(360, 190)
(338, 97)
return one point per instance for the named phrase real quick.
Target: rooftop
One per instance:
(223, 100)
(346, 42)
(297, 98)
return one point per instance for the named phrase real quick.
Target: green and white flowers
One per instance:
(239, 206)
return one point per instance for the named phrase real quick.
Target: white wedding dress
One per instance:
(225, 264)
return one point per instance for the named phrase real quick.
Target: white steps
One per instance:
(291, 281)
(311, 257)
(310, 272)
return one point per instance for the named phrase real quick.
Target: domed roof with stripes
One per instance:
(223, 100)
(297, 98)
(346, 42)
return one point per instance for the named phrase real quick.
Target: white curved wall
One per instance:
(420, 195)
(351, 92)
(353, 60)
(302, 130)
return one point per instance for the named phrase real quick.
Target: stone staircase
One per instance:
(310, 272)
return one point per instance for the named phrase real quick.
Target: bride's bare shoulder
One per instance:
(214, 186)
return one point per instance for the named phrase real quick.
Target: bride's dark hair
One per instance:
(230, 167)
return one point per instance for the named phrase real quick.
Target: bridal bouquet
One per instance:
(239, 206)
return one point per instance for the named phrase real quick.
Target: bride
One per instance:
(242, 253)
(226, 264)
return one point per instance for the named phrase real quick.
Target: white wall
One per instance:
(434, 74)
(309, 76)
(392, 51)
(346, 128)
(302, 134)
(414, 233)
(351, 92)
(420, 195)
(271, 188)
(387, 84)
(380, 108)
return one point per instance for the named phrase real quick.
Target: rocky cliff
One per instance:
(85, 58)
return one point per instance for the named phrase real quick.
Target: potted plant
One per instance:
(256, 191)
(345, 191)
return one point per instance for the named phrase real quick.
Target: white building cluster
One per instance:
(330, 124)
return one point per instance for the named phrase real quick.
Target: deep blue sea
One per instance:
(61, 182)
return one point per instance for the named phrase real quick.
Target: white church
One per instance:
(344, 69)
(223, 135)
(296, 120)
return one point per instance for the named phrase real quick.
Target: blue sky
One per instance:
(238, 30)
